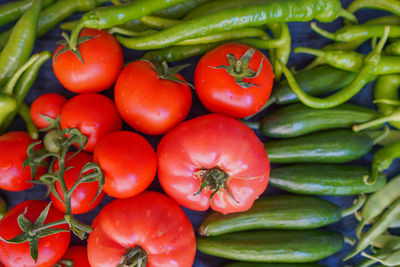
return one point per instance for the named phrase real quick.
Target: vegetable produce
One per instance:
(335, 146)
(13, 175)
(3, 207)
(324, 179)
(382, 160)
(94, 115)
(392, 6)
(30, 216)
(201, 164)
(136, 89)
(49, 105)
(386, 88)
(20, 44)
(76, 255)
(234, 80)
(11, 11)
(248, 264)
(297, 119)
(85, 196)
(97, 67)
(282, 212)
(128, 161)
(148, 229)
(273, 246)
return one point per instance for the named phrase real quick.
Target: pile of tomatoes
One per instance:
(211, 161)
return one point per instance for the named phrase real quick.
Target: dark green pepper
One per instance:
(11, 11)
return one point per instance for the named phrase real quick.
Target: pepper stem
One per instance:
(395, 116)
(348, 15)
(322, 32)
(134, 257)
(310, 51)
(357, 204)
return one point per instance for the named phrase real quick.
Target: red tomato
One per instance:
(51, 248)
(148, 103)
(84, 194)
(48, 104)
(78, 255)
(102, 57)
(218, 90)
(13, 177)
(149, 221)
(128, 161)
(214, 149)
(93, 114)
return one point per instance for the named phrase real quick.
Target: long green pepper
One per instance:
(20, 45)
(239, 17)
(392, 6)
(11, 11)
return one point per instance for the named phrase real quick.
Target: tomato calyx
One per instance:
(64, 263)
(166, 73)
(32, 232)
(74, 48)
(134, 257)
(239, 68)
(214, 179)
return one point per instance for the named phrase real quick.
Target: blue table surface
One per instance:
(302, 35)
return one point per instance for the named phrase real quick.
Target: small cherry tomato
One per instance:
(128, 162)
(51, 247)
(13, 177)
(93, 114)
(234, 79)
(150, 224)
(83, 195)
(49, 105)
(78, 255)
(102, 61)
(149, 103)
(213, 161)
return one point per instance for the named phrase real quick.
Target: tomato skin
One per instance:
(103, 60)
(93, 114)
(218, 90)
(78, 254)
(148, 103)
(150, 220)
(207, 142)
(128, 161)
(47, 104)
(51, 248)
(84, 194)
(13, 177)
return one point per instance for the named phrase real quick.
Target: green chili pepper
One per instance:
(362, 78)
(20, 45)
(179, 10)
(393, 49)
(11, 11)
(158, 22)
(392, 6)
(356, 32)
(379, 228)
(234, 18)
(21, 90)
(24, 112)
(382, 160)
(386, 87)
(282, 52)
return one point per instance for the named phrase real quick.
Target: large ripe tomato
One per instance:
(51, 248)
(149, 222)
(148, 103)
(13, 147)
(102, 57)
(219, 153)
(48, 104)
(221, 93)
(128, 161)
(93, 114)
(83, 195)
(78, 255)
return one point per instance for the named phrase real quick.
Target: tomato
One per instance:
(219, 151)
(48, 104)
(93, 114)
(148, 103)
(13, 177)
(128, 161)
(51, 248)
(149, 222)
(84, 194)
(102, 57)
(218, 90)
(78, 255)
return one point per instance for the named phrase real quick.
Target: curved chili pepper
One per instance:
(234, 18)
(386, 87)
(382, 160)
(392, 6)
(282, 52)
(362, 78)
(20, 45)
(179, 10)
(54, 14)
(393, 49)
(11, 11)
